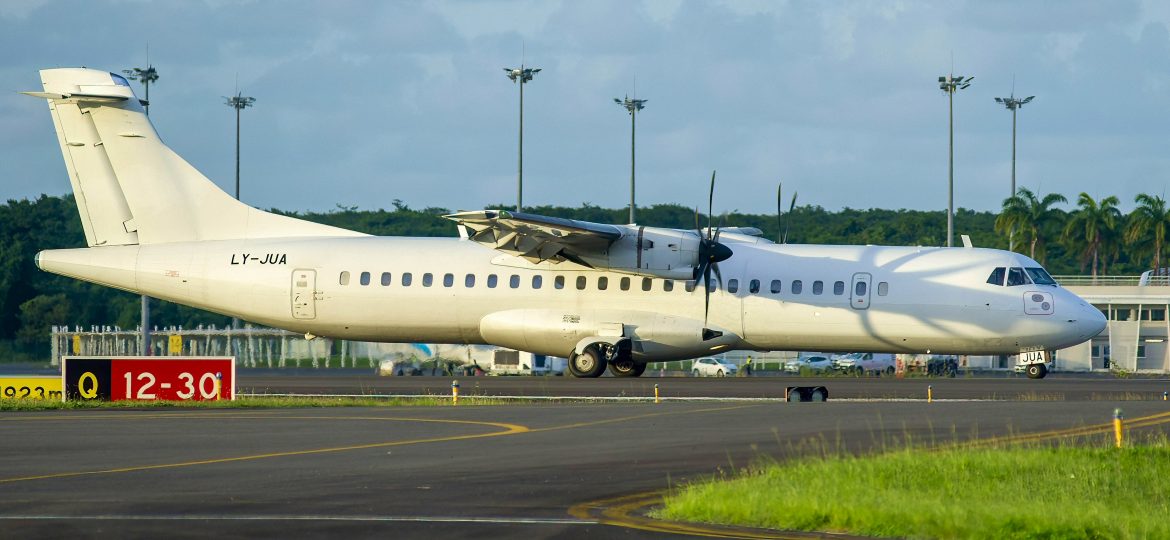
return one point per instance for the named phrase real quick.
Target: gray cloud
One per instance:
(364, 102)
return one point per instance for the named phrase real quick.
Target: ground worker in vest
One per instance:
(747, 367)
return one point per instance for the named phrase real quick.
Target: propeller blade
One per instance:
(718, 275)
(706, 293)
(789, 222)
(710, 203)
(779, 210)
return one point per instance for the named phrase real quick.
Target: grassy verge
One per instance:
(1019, 492)
(245, 403)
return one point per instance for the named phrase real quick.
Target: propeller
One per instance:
(790, 208)
(711, 252)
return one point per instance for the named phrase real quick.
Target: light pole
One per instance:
(238, 102)
(1013, 104)
(146, 76)
(632, 105)
(521, 75)
(951, 84)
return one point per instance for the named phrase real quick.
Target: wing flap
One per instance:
(538, 238)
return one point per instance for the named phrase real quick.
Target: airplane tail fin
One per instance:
(133, 189)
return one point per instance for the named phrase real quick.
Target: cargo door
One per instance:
(304, 284)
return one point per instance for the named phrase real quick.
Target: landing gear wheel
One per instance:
(626, 368)
(1036, 371)
(818, 394)
(589, 364)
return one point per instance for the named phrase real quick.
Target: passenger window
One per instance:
(602, 283)
(385, 279)
(428, 279)
(754, 286)
(406, 278)
(537, 281)
(344, 279)
(1016, 276)
(514, 281)
(492, 281)
(625, 284)
(365, 279)
(559, 282)
(689, 285)
(647, 283)
(797, 286)
(883, 288)
(839, 288)
(712, 286)
(581, 283)
(448, 280)
(775, 286)
(668, 285)
(818, 287)
(469, 281)
(733, 286)
(996, 277)
(859, 289)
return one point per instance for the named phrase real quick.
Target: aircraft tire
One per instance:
(626, 368)
(587, 365)
(818, 394)
(1036, 371)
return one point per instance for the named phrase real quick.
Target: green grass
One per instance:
(1020, 492)
(245, 403)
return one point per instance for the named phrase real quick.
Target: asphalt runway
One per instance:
(555, 470)
(1055, 387)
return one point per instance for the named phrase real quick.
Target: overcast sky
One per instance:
(361, 103)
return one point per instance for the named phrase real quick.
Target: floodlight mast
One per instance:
(521, 75)
(1013, 104)
(146, 76)
(950, 84)
(238, 102)
(633, 106)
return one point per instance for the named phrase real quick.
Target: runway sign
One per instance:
(30, 387)
(148, 378)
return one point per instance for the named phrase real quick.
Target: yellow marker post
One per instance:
(1164, 395)
(455, 392)
(1117, 431)
(929, 393)
(218, 385)
(656, 398)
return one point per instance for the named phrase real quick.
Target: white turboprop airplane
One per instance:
(602, 295)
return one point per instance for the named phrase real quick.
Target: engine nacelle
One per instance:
(664, 253)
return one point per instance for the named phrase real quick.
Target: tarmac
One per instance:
(547, 470)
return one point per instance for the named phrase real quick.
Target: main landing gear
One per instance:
(595, 358)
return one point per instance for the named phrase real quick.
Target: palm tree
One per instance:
(1090, 226)
(1030, 216)
(1147, 225)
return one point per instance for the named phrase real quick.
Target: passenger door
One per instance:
(304, 284)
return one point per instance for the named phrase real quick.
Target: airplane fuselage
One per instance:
(786, 297)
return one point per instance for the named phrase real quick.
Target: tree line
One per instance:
(1093, 235)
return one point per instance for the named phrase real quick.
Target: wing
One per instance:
(537, 238)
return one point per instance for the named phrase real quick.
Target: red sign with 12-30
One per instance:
(148, 379)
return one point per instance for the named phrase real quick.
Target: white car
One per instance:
(816, 363)
(861, 363)
(713, 367)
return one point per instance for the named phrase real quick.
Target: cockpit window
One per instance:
(1040, 276)
(1016, 276)
(996, 277)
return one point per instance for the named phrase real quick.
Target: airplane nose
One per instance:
(1091, 321)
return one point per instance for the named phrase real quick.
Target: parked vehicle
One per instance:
(862, 363)
(815, 362)
(713, 367)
